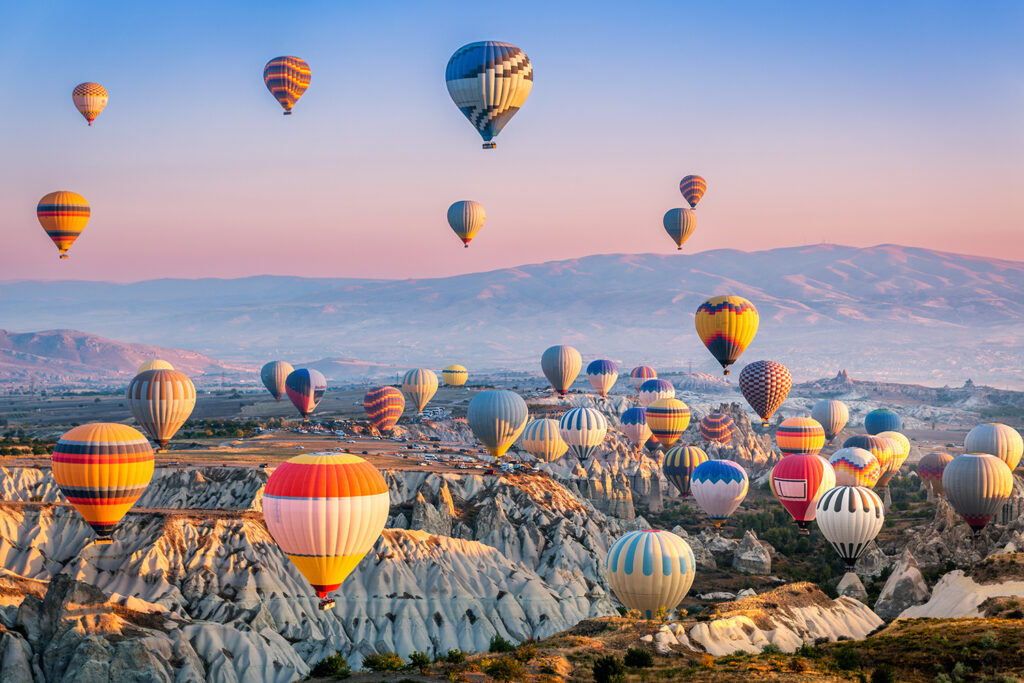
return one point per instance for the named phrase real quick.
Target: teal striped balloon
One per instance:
(497, 418)
(649, 570)
(584, 430)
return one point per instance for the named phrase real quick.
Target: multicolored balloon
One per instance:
(832, 415)
(693, 188)
(542, 439)
(420, 385)
(654, 389)
(719, 486)
(561, 365)
(466, 218)
(765, 384)
(305, 388)
(641, 374)
(668, 419)
(155, 364)
(633, 423)
(602, 375)
(882, 420)
(325, 511)
(680, 462)
(798, 481)
(384, 406)
(996, 439)
(584, 430)
(899, 452)
(680, 224)
(497, 418)
(273, 375)
(102, 469)
(650, 570)
(455, 375)
(726, 325)
(849, 518)
(855, 467)
(161, 401)
(489, 81)
(977, 485)
(90, 100)
(930, 469)
(286, 79)
(878, 446)
(63, 216)
(717, 428)
(800, 435)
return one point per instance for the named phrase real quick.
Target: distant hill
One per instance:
(886, 313)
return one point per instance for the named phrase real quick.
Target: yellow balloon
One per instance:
(726, 325)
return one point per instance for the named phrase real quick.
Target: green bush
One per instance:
(332, 666)
(499, 644)
(638, 658)
(453, 657)
(883, 673)
(504, 669)
(771, 649)
(420, 661)
(609, 669)
(847, 658)
(526, 651)
(809, 651)
(383, 661)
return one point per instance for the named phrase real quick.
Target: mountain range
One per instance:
(886, 312)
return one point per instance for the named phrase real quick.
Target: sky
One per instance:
(845, 122)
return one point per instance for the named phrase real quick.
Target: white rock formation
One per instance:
(956, 595)
(904, 587)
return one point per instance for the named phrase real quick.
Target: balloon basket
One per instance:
(490, 145)
(287, 113)
(326, 604)
(102, 541)
(725, 371)
(63, 256)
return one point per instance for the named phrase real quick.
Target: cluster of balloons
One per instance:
(680, 223)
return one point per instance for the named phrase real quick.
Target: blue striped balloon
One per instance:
(719, 486)
(634, 425)
(882, 420)
(649, 570)
(489, 81)
(653, 389)
(602, 375)
(584, 430)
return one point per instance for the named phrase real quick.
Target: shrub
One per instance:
(609, 669)
(638, 658)
(988, 640)
(499, 644)
(526, 651)
(454, 657)
(771, 649)
(331, 666)
(883, 674)
(707, 661)
(847, 658)
(798, 665)
(420, 660)
(661, 614)
(808, 651)
(504, 669)
(383, 661)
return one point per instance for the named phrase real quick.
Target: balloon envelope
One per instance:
(719, 486)
(155, 364)
(384, 406)
(849, 518)
(455, 375)
(798, 481)
(286, 78)
(899, 450)
(561, 365)
(855, 467)
(633, 423)
(305, 388)
(977, 485)
(930, 469)
(90, 100)
(717, 428)
(882, 420)
(584, 430)
(489, 81)
(832, 415)
(542, 439)
(878, 446)
(420, 385)
(765, 384)
(680, 462)
(273, 375)
(800, 435)
(680, 224)
(63, 216)
(641, 374)
(161, 401)
(693, 188)
(497, 417)
(466, 218)
(668, 419)
(649, 570)
(654, 389)
(602, 375)
(726, 325)
(996, 439)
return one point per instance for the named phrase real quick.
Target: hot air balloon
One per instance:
(649, 570)
(653, 389)
(717, 428)
(305, 388)
(90, 99)
(899, 451)
(930, 469)
(832, 415)
(102, 469)
(680, 462)
(977, 485)
(155, 364)
(878, 446)
(855, 467)
(652, 445)
(668, 419)
(680, 224)
(542, 439)
(718, 486)
(602, 375)
(286, 78)
(584, 430)
(882, 420)
(765, 384)
(849, 518)
(497, 417)
(798, 480)
(726, 325)
(63, 216)
(800, 435)
(325, 511)
(466, 218)
(489, 81)
(384, 405)
(454, 375)
(996, 439)
(641, 374)
(420, 385)
(633, 423)
(274, 375)
(693, 188)
(561, 365)
(161, 401)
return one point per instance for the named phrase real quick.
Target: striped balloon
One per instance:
(726, 325)
(63, 216)
(497, 418)
(717, 428)
(855, 467)
(641, 374)
(900, 448)
(798, 481)
(882, 420)
(654, 389)
(305, 388)
(996, 439)
(878, 446)
(800, 435)
(849, 518)
(561, 365)
(384, 406)
(680, 224)
(542, 439)
(455, 375)
(273, 376)
(930, 469)
(161, 401)
(765, 384)
(286, 79)
(977, 485)
(90, 100)
(489, 81)
(719, 486)
(155, 364)
(832, 415)
(325, 511)
(652, 444)
(633, 423)
(102, 469)
(692, 188)
(602, 375)
(584, 430)
(680, 462)
(466, 218)
(420, 385)
(668, 419)
(650, 570)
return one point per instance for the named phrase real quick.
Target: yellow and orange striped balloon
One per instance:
(800, 435)
(161, 401)
(63, 216)
(668, 418)
(102, 469)
(287, 78)
(726, 325)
